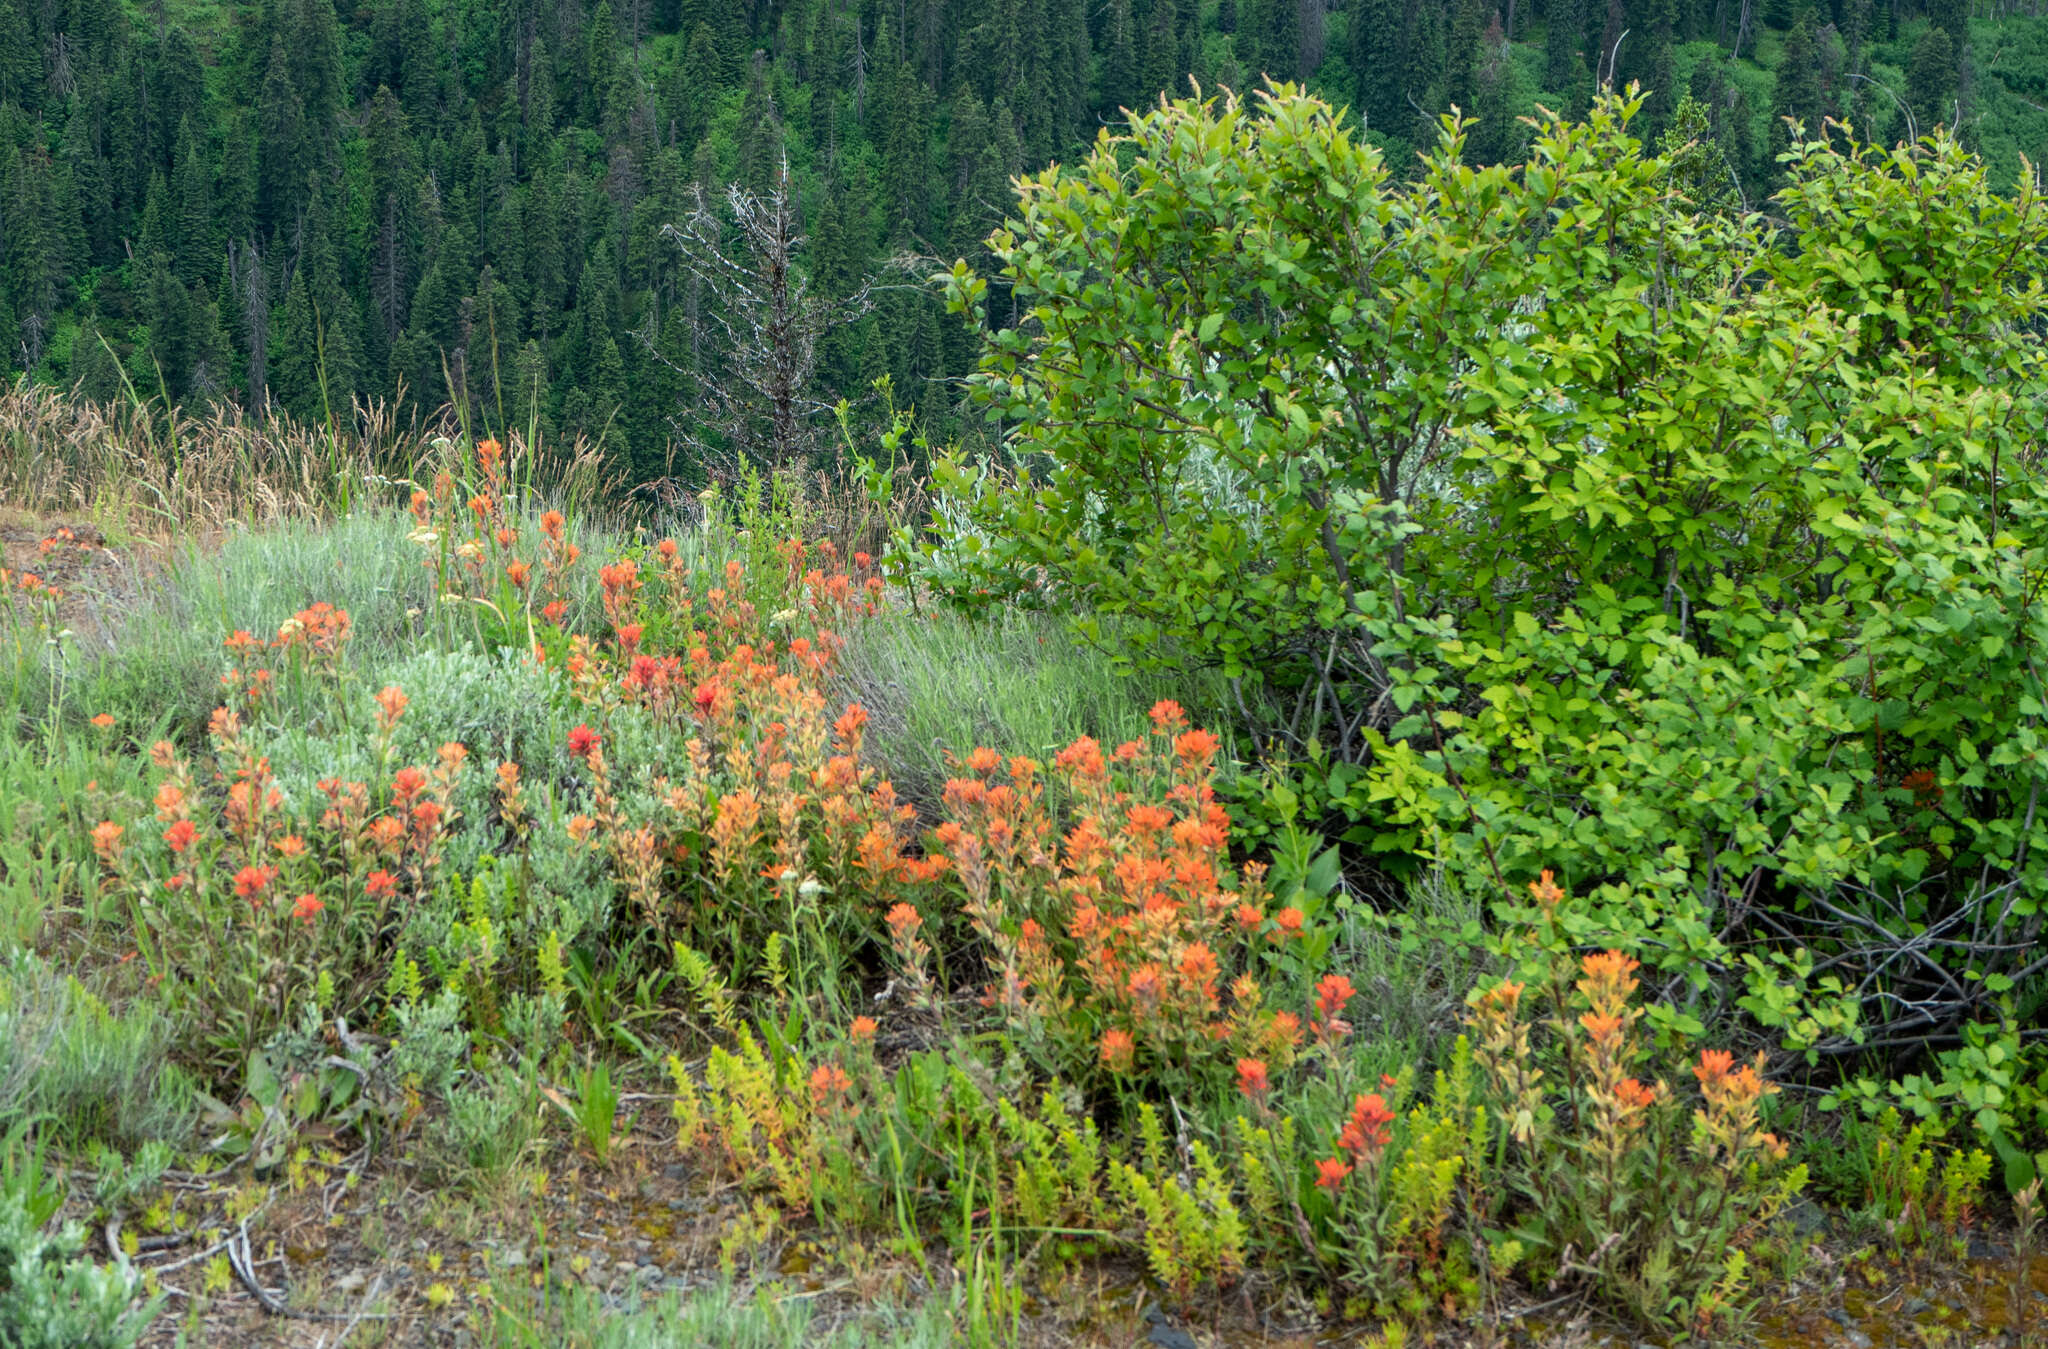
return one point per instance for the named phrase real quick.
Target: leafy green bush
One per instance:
(52, 1296)
(1690, 554)
(487, 1130)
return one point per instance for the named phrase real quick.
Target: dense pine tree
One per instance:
(1376, 62)
(1931, 79)
(1797, 99)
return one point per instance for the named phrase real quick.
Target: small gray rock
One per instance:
(1164, 1336)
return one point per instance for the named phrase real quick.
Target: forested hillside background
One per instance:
(297, 203)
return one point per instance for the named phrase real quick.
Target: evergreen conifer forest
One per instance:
(299, 204)
(1060, 672)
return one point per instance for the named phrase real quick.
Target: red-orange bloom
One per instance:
(1330, 1173)
(1147, 819)
(1118, 1050)
(1369, 1129)
(180, 835)
(307, 906)
(1251, 1078)
(380, 884)
(407, 783)
(1601, 1029)
(1609, 967)
(829, 1082)
(582, 740)
(1633, 1095)
(252, 881)
(1198, 963)
(1333, 992)
(1714, 1065)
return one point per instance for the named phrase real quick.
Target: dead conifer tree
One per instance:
(753, 322)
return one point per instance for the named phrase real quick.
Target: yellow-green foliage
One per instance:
(688, 1110)
(1922, 1190)
(1193, 1233)
(1256, 1143)
(707, 986)
(1421, 1184)
(1056, 1179)
(760, 1115)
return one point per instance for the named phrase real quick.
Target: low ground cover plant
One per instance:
(1070, 955)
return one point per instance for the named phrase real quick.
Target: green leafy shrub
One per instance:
(51, 1295)
(487, 1130)
(1919, 1189)
(1676, 550)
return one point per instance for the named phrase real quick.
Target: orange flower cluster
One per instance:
(1725, 1129)
(320, 630)
(404, 837)
(1367, 1132)
(26, 584)
(1503, 1052)
(61, 538)
(1132, 917)
(770, 797)
(474, 549)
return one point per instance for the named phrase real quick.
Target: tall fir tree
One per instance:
(198, 231)
(282, 161)
(1796, 96)
(1122, 76)
(1375, 54)
(1564, 60)
(1162, 68)
(1931, 80)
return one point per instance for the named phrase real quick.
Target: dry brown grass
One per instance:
(146, 470)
